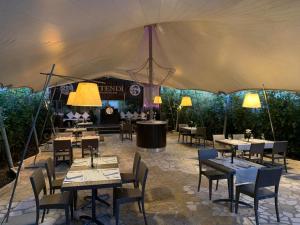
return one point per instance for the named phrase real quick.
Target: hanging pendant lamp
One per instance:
(87, 94)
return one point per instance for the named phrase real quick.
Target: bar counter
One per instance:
(151, 135)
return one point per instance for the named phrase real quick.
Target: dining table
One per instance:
(76, 130)
(93, 174)
(239, 172)
(244, 144)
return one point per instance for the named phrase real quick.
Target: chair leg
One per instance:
(276, 208)
(37, 216)
(210, 188)
(144, 213)
(237, 198)
(43, 216)
(285, 165)
(217, 185)
(199, 182)
(140, 208)
(67, 215)
(256, 211)
(117, 209)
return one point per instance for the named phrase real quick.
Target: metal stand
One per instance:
(27, 143)
(269, 114)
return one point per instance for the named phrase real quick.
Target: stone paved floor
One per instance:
(172, 198)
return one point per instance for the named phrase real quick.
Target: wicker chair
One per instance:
(266, 177)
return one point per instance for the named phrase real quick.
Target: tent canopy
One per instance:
(214, 45)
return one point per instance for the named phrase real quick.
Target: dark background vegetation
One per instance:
(19, 106)
(209, 110)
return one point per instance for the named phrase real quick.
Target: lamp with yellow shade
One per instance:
(157, 100)
(71, 98)
(186, 101)
(252, 100)
(87, 94)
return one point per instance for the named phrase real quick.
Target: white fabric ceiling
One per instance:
(214, 45)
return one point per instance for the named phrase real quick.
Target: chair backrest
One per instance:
(38, 184)
(64, 134)
(280, 147)
(257, 148)
(49, 165)
(182, 125)
(87, 143)
(136, 164)
(62, 146)
(126, 127)
(205, 154)
(268, 177)
(89, 133)
(201, 131)
(142, 176)
(238, 136)
(217, 137)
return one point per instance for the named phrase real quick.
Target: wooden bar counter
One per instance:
(151, 135)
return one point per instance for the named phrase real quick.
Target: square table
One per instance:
(76, 129)
(81, 176)
(244, 145)
(245, 172)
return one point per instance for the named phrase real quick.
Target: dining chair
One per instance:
(132, 177)
(279, 151)
(128, 195)
(54, 184)
(126, 130)
(200, 135)
(53, 201)
(211, 174)
(218, 146)
(88, 145)
(238, 136)
(265, 179)
(62, 149)
(182, 132)
(255, 149)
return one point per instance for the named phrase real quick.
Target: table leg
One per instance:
(92, 218)
(231, 198)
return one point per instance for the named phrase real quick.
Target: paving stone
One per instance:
(172, 196)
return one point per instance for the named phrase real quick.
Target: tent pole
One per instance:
(6, 143)
(268, 110)
(47, 115)
(27, 144)
(226, 114)
(36, 141)
(150, 27)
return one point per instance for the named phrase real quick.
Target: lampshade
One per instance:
(186, 101)
(87, 94)
(157, 100)
(71, 98)
(251, 100)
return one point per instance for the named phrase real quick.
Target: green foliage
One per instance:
(19, 107)
(209, 110)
